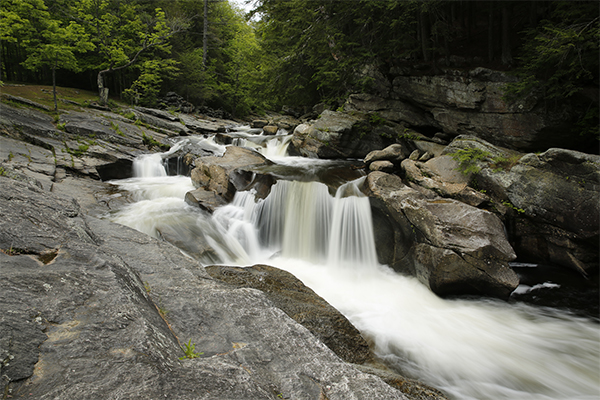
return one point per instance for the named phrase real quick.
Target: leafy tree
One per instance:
(56, 47)
(47, 41)
(560, 60)
(560, 55)
(144, 91)
(122, 33)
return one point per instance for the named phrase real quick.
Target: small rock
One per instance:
(259, 123)
(270, 129)
(382, 165)
(415, 155)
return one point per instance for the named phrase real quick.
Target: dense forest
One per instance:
(293, 52)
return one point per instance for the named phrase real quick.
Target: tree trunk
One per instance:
(506, 53)
(102, 91)
(423, 22)
(54, 86)
(491, 33)
(205, 35)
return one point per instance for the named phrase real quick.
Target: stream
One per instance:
(317, 225)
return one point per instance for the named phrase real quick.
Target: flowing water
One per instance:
(470, 349)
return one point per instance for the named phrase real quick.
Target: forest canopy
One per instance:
(291, 52)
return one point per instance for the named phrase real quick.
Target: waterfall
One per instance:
(148, 166)
(302, 220)
(470, 349)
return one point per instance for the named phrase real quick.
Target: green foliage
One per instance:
(502, 163)
(408, 136)
(513, 207)
(189, 349)
(79, 151)
(145, 89)
(376, 119)
(117, 129)
(560, 55)
(468, 158)
(151, 142)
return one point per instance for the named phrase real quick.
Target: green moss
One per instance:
(150, 142)
(468, 158)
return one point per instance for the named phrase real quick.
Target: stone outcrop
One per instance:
(337, 135)
(451, 247)
(98, 144)
(469, 103)
(91, 309)
(303, 305)
(557, 198)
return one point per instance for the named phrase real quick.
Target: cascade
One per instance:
(470, 349)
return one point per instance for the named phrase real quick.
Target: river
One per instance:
(469, 349)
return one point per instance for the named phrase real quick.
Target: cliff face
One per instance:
(472, 102)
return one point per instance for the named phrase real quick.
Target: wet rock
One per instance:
(451, 247)
(204, 126)
(206, 200)
(413, 389)
(168, 126)
(383, 165)
(259, 123)
(158, 113)
(556, 196)
(227, 174)
(94, 144)
(394, 153)
(270, 129)
(441, 175)
(301, 304)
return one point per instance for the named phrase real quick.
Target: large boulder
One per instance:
(550, 201)
(303, 305)
(337, 135)
(451, 247)
(95, 310)
(231, 172)
(557, 198)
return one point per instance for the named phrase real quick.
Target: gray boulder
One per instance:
(229, 173)
(451, 247)
(441, 175)
(98, 144)
(170, 127)
(556, 198)
(303, 305)
(394, 153)
(337, 135)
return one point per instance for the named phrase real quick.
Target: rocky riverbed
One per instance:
(93, 309)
